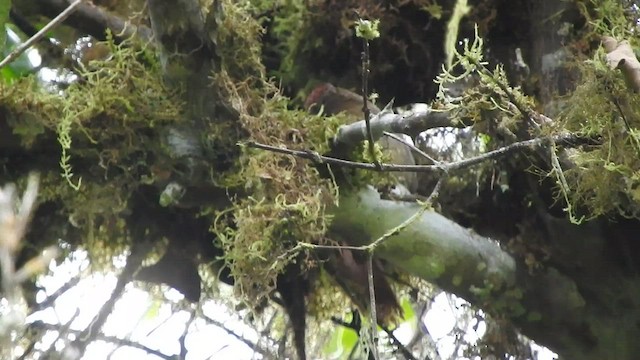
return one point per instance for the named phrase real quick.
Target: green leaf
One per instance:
(434, 10)
(7, 74)
(407, 310)
(341, 343)
(20, 66)
(153, 310)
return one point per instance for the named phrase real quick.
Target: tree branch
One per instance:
(569, 140)
(241, 338)
(94, 21)
(412, 124)
(49, 300)
(133, 264)
(53, 23)
(428, 246)
(462, 262)
(111, 339)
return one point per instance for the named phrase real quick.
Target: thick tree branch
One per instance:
(427, 247)
(460, 261)
(412, 124)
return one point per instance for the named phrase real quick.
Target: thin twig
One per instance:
(63, 331)
(134, 260)
(106, 338)
(94, 20)
(403, 349)
(628, 129)
(252, 345)
(183, 337)
(396, 230)
(341, 322)
(565, 140)
(35, 38)
(365, 100)
(372, 305)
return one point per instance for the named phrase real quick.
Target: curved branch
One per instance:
(432, 247)
(412, 124)
(460, 261)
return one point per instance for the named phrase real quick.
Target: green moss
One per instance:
(604, 180)
(106, 126)
(496, 298)
(289, 197)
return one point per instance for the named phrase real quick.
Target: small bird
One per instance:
(334, 100)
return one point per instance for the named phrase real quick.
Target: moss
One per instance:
(289, 197)
(604, 180)
(106, 126)
(500, 300)
(327, 300)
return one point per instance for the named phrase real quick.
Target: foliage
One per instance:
(19, 67)
(604, 106)
(110, 126)
(289, 200)
(113, 114)
(289, 197)
(368, 29)
(608, 17)
(599, 107)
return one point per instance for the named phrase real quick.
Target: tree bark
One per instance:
(575, 316)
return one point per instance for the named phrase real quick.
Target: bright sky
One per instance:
(136, 316)
(152, 323)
